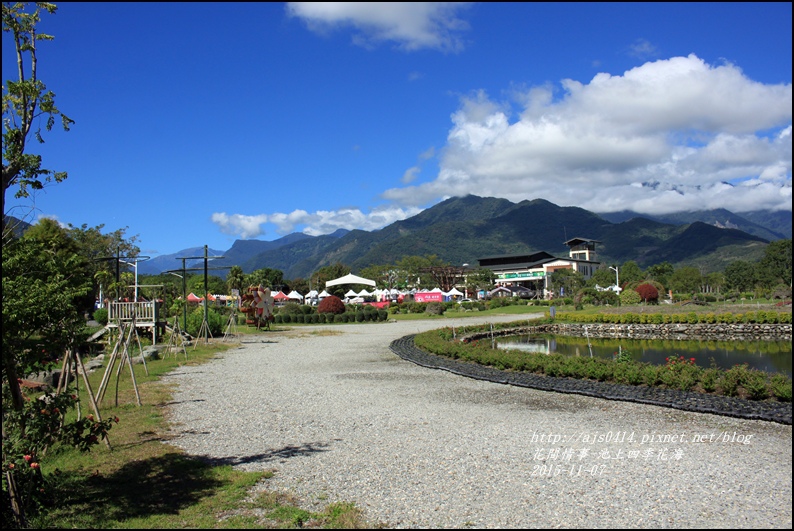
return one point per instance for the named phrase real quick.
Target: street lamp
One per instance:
(135, 265)
(617, 277)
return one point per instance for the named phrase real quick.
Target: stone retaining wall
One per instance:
(680, 331)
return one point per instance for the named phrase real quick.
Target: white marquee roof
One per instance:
(349, 279)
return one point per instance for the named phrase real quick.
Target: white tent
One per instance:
(349, 279)
(312, 294)
(295, 295)
(351, 293)
(364, 293)
(323, 295)
(452, 292)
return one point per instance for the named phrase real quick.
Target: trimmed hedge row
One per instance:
(677, 374)
(758, 317)
(360, 316)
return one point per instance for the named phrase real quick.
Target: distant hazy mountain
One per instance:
(16, 225)
(778, 222)
(167, 262)
(765, 224)
(462, 229)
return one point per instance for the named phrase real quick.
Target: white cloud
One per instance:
(412, 25)
(668, 136)
(313, 224)
(642, 49)
(240, 225)
(662, 137)
(410, 174)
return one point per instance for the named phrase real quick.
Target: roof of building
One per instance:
(515, 259)
(579, 241)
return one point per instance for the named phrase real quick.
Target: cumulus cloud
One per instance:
(412, 25)
(240, 225)
(670, 135)
(314, 223)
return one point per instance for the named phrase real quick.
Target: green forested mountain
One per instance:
(461, 230)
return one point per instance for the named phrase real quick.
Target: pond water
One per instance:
(769, 356)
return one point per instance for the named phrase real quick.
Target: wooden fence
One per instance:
(142, 312)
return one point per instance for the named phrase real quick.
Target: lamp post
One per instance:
(617, 277)
(135, 265)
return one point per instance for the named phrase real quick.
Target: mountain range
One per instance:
(460, 230)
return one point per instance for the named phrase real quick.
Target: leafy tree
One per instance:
(480, 279)
(215, 285)
(101, 250)
(267, 277)
(775, 267)
(384, 276)
(57, 240)
(235, 279)
(713, 282)
(411, 270)
(41, 321)
(25, 101)
(301, 285)
(603, 277)
(569, 280)
(740, 276)
(660, 273)
(686, 280)
(630, 272)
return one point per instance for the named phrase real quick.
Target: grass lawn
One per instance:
(143, 482)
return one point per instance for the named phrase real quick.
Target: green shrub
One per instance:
(709, 379)
(291, 308)
(730, 380)
(435, 308)
(756, 385)
(339, 318)
(629, 297)
(215, 321)
(780, 386)
(101, 316)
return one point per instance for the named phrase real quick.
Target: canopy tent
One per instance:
(364, 293)
(453, 292)
(295, 295)
(350, 279)
(323, 294)
(194, 298)
(351, 293)
(280, 296)
(312, 294)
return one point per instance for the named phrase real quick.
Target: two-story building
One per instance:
(533, 270)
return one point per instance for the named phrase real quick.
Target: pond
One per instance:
(769, 356)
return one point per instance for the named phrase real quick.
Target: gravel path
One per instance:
(340, 417)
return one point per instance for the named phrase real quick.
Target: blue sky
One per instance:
(203, 123)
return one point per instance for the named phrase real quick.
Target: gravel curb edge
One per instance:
(772, 411)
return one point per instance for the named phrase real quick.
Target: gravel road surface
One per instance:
(339, 417)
